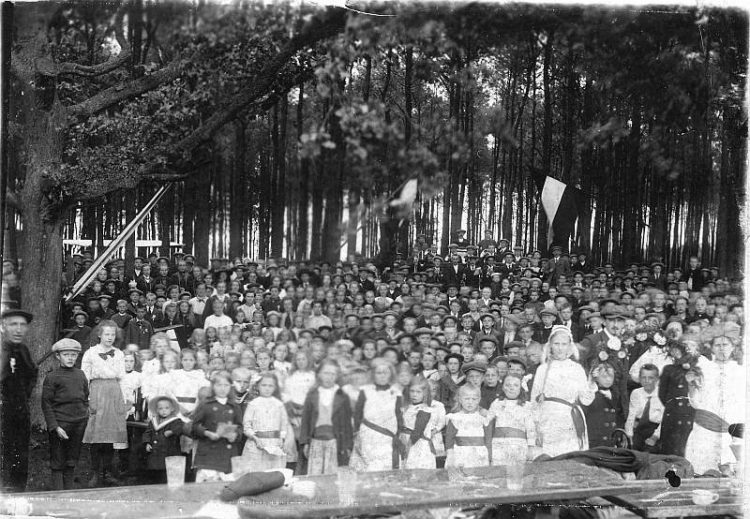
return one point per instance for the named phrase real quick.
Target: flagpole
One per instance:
(116, 244)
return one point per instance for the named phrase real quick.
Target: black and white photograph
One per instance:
(373, 259)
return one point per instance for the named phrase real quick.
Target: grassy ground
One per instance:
(39, 471)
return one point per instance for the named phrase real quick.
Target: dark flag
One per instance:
(561, 204)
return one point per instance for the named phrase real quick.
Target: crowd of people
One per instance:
(485, 356)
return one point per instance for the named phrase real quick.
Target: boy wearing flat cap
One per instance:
(65, 404)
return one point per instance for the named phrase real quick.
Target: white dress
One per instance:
(514, 431)
(185, 386)
(421, 455)
(564, 380)
(465, 434)
(373, 449)
(266, 418)
(722, 393)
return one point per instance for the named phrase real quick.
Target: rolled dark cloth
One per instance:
(737, 430)
(644, 464)
(251, 484)
(711, 421)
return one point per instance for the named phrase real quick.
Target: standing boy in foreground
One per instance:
(65, 397)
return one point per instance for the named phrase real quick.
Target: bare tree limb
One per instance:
(48, 68)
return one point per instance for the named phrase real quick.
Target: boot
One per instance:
(109, 479)
(108, 475)
(57, 480)
(67, 476)
(95, 481)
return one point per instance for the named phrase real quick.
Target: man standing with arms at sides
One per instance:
(17, 379)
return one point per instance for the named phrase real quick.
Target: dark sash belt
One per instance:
(470, 441)
(395, 444)
(186, 399)
(575, 413)
(268, 434)
(407, 430)
(711, 421)
(508, 432)
(324, 432)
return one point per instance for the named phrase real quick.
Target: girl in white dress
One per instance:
(265, 424)
(514, 431)
(560, 388)
(468, 433)
(377, 418)
(420, 423)
(717, 392)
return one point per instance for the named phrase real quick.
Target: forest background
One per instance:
(284, 129)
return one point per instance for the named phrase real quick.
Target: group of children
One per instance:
(148, 405)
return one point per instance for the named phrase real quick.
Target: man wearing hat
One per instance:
(557, 266)
(80, 332)
(548, 316)
(657, 277)
(182, 277)
(693, 275)
(65, 396)
(607, 346)
(583, 264)
(487, 241)
(503, 246)
(18, 374)
(487, 328)
(508, 268)
(455, 273)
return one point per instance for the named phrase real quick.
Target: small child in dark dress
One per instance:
(162, 437)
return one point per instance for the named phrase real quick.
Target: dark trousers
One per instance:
(101, 457)
(15, 432)
(675, 430)
(642, 432)
(65, 453)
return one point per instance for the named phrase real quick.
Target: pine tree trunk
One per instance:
(546, 135)
(238, 190)
(304, 185)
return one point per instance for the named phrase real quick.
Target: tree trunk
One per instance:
(546, 135)
(203, 211)
(238, 190)
(41, 240)
(304, 185)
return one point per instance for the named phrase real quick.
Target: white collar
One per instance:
(159, 426)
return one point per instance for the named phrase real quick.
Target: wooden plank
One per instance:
(397, 491)
(378, 492)
(127, 502)
(658, 499)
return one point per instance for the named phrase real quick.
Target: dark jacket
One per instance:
(65, 397)
(18, 374)
(139, 332)
(603, 416)
(341, 418)
(164, 439)
(210, 454)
